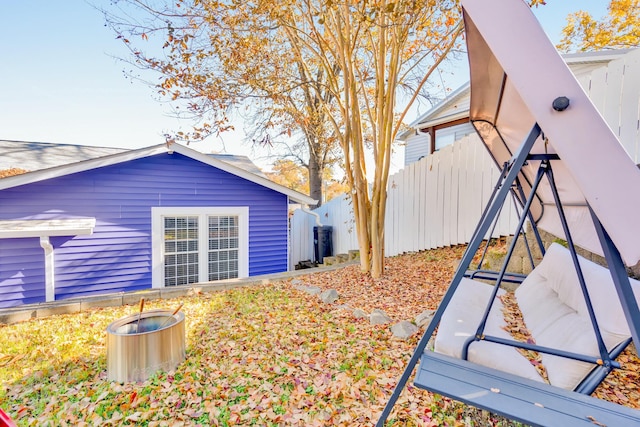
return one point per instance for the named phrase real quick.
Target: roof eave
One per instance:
(44, 174)
(444, 119)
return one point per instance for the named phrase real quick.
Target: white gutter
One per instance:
(306, 210)
(49, 277)
(22, 228)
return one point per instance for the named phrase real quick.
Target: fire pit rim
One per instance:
(132, 318)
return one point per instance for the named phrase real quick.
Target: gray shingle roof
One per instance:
(34, 156)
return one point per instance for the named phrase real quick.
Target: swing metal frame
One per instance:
(515, 397)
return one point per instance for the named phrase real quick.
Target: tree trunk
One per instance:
(315, 178)
(361, 215)
(378, 207)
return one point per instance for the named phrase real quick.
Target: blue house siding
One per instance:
(118, 255)
(21, 271)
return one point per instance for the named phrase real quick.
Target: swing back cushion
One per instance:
(554, 312)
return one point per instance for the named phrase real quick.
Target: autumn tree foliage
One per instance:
(219, 60)
(618, 30)
(291, 175)
(341, 72)
(372, 51)
(5, 173)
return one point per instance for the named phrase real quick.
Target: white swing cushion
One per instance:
(460, 321)
(555, 312)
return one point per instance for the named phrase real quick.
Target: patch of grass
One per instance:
(256, 356)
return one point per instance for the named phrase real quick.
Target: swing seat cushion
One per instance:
(460, 321)
(555, 312)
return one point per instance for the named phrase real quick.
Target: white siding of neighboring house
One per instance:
(417, 147)
(448, 136)
(611, 79)
(459, 105)
(418, 144)
(614, 89)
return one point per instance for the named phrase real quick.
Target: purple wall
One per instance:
(117, 256)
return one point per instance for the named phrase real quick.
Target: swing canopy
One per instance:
(516, 75)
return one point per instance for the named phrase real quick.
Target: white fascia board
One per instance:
(455, 95)
(442, 120)
(22, 228)
(596, 56)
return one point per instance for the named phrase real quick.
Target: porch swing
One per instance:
(563, 166)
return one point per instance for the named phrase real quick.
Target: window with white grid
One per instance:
(223, 247)
(180, 250)
(193, 245)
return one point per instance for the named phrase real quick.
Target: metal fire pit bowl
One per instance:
(135, 354)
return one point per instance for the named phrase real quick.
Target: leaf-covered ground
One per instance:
(266, 356)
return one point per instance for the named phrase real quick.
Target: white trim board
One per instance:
(22, 228)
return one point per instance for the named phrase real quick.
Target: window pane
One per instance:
(223, 245)
(181, 250)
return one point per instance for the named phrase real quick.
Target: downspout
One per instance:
(49, 282)
(306, 210)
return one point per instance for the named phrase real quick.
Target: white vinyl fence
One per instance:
(434, 202)
(438, 200)
(336, 213)
(615, 91)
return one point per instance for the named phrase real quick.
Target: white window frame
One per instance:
(157, 238)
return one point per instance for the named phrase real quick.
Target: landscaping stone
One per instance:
(100, 301)
(354, 254)
(424, 318)
(134, 298)
(50, 309)
(311, 290)
(17, 315)
(329, 296)
(175, 292)
(329, 260)
(379, 317)
(360, 314)
(404, 329)
(342, 257)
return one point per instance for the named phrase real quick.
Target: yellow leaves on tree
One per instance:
(291, 175)
(340, 75)
(372, 53)
(618, 30)
(5, 173)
